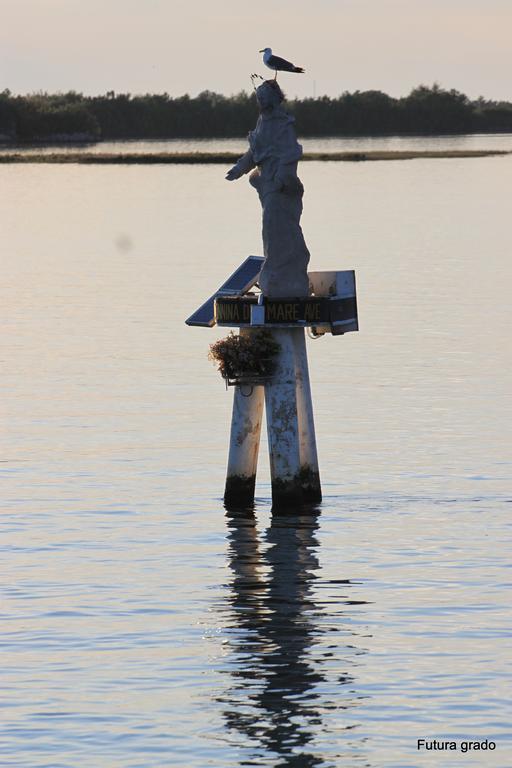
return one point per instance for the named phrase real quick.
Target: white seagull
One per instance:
(277, 63)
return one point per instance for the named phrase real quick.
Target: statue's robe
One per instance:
(275, 151)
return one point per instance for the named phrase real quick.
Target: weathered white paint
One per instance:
(283, 423)
(290, 428)
(244, 442)
(310, 476)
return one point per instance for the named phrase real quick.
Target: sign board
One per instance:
(332, 307)
(337, 314)
(341, 283)
(341, 287)
(233, 310)
(241, 281)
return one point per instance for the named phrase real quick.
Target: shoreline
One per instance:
(195, 158)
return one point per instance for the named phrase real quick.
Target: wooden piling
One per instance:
(244, 443)
(290, 427)
(283, 425)
(244, 446)
(309, 472)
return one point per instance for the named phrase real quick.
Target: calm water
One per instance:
(141, 626)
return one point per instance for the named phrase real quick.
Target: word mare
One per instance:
(300, 310)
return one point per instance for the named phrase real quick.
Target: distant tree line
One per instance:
(426, 110)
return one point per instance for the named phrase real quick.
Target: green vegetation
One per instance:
(426, 110)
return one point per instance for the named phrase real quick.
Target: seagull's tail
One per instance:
(299, 69)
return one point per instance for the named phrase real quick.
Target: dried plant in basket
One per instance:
(250, 356)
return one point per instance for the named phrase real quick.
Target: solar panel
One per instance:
(205, 315)
(241, 281)
(245, 276)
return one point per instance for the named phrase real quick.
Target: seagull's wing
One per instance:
(276, 62)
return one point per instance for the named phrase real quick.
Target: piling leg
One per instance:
(283, 426)
(244, 445)
(309, 474)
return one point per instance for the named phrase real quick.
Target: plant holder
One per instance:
(251, 378)
(247, 377)
(248, 359)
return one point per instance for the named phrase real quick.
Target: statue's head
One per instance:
(269, 95)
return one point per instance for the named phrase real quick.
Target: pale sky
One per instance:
(186, 46)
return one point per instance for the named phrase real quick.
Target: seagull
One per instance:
(278, 64)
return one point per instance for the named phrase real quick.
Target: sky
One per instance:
(188, 46)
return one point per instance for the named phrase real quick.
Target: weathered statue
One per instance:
(274, 153)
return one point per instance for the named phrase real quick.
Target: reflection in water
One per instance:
(281, 691)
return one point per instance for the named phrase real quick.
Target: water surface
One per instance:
(143, 627)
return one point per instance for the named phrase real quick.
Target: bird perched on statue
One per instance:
(277, 63)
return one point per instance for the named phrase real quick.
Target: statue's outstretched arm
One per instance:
(244, 165)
